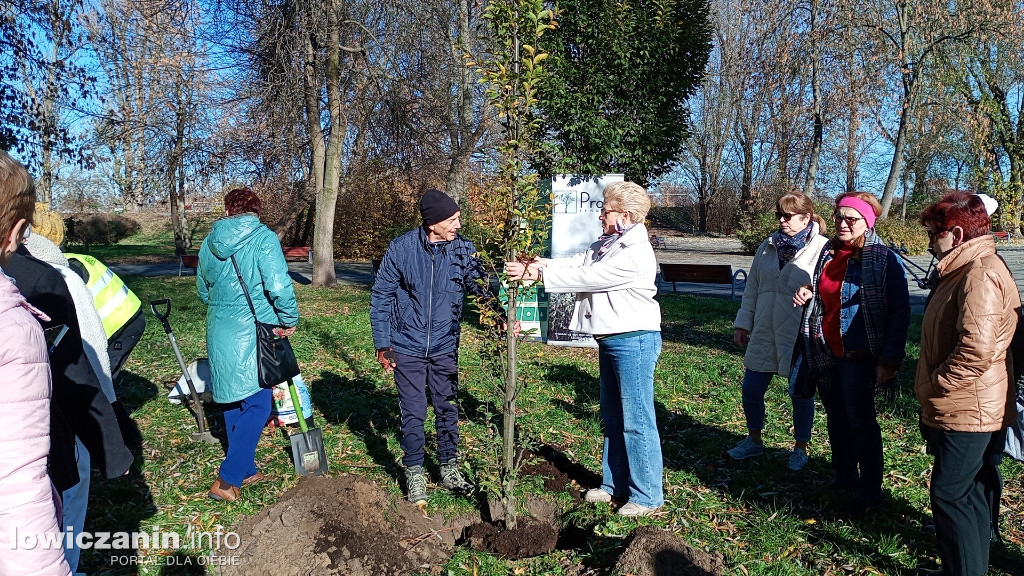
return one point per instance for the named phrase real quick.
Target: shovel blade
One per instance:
(308, 453)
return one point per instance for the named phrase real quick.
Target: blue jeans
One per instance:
(244, 424)
(755, 385)
(632, 447)
(76, 500)
(853, 430)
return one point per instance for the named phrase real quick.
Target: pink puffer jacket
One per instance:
(29, 507)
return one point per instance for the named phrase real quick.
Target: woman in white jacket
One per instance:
(767, 323)
(614, 285)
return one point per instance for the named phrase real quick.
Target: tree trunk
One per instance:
(462, 136)
(897, 159)
(747, 182)
(508, 419)
(906, 188)
(852, 127)
(176, 176)
(816, 138)
(327, 199)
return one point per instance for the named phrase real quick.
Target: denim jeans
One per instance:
(244, 423)
(632, 464)
(965, 490)
(853, 430)
(755, 385)
(76, 501)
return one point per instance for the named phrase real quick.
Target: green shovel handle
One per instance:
(294, 391)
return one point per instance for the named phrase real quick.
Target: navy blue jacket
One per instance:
(416, 302)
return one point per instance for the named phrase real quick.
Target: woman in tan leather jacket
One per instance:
(964, 379)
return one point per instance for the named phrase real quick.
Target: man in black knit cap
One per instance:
(415, 310)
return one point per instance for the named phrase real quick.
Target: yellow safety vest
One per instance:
(114, 301)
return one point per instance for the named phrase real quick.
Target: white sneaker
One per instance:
(597, 495)
(747, 448)
(798, 459)
(631, 510)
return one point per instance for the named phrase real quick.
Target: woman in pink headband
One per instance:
(854, 333)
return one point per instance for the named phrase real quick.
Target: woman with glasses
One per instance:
(614, 285)
(767, 323)
(965, 379)
(855, 332)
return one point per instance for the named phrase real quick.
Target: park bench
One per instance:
(192, 260)
(298, 252)
(1001, 236)
(188, 261)
(702, 274)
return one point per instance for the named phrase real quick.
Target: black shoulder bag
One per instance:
(275, 359)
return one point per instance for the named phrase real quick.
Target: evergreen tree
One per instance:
(621, 72)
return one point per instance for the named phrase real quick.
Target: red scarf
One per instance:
(830, 286)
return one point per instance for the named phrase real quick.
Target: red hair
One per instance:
(242, 200)
(961, 209)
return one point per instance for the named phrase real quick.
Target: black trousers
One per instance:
(853, 429)
(965, 490)
(413, 377)
(123, 341)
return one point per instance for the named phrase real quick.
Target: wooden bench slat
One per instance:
(303, 252)
(187, 261)
(702, 274)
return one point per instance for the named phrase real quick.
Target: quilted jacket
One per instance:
(28, 502)
(230, 326)
(964, 377)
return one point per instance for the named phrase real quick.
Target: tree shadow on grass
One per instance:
(765, 482)
(120, 504)
(692, 445)
(586, 389)
(371, 413)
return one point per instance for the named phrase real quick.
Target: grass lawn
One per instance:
(762, 517)
(153, 242)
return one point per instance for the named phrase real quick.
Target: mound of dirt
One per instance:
(654, 552)
(529, 538)
(345, 525)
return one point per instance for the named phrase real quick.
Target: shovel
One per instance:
(203, 434)
(308, 452)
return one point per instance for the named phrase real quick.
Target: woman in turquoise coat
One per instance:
(231, 329)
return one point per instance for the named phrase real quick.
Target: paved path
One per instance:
(698, 250)
(688, 250)
(348, 272)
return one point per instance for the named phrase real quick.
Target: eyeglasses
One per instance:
(787, 216)
(933, 234)
(605, 211)
(850, 220)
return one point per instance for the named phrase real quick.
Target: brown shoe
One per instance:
(257, 477)
(221, 490)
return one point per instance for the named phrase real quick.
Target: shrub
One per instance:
(759, 229)
(674, 217)
(102, 229)
(909, 235)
